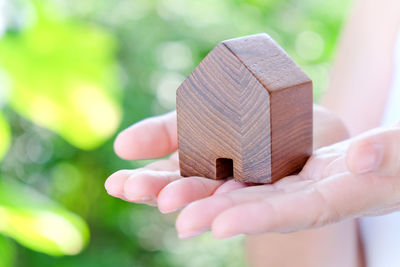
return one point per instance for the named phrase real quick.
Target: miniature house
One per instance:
(246, 112)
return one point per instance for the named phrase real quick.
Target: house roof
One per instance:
(267, 61)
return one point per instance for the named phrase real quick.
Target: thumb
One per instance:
(376, 151)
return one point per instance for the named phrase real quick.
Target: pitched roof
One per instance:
(267, 61)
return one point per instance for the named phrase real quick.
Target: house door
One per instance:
(224, 168)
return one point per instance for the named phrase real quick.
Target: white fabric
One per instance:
(381, 234)
(392, 113)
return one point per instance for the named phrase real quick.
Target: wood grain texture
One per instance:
(247, 106)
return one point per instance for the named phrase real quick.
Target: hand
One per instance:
(354, 178)
(160, 183)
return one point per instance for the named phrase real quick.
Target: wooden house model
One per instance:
(246, 112)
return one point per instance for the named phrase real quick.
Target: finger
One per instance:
(183, 191)
(146, 184)
(115, 183)
(230, 185)
(280, 213)
(335, 167)
(198, 216)
(376, 151)
(325, 123)
(163, 165)
(174, 158)
(353, 195)
(316, 166)
(151, 138)
(336, 198)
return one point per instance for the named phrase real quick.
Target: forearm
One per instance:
(362, 72)
(329, 246)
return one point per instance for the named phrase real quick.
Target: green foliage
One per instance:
(38, 223)
(63, 74)
(5, 136)
(7, 252)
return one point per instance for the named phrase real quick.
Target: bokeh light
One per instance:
(309, 45)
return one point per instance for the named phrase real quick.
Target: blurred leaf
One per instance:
(5, 136)
(7, 252)
(38, 223)
(64, 77)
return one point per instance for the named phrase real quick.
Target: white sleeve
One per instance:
(392, 113)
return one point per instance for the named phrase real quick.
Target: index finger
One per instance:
(151, 138)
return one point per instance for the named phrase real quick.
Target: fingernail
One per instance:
(150, 200)
(192, 234)
(224, 235)
(110, 189)
(113, 193)
(165, 211)
(369, 158)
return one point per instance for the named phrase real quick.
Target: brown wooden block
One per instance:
(246, 111)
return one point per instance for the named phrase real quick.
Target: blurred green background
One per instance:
(75, 72)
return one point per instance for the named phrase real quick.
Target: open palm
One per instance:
(323, 192)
